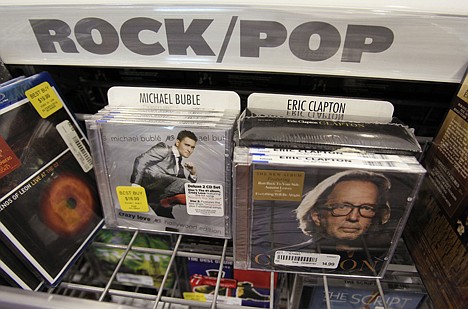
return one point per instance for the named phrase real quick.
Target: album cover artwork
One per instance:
(170, 178)
(325, 219)
(202, 274)
(347, 297)
(141, 267)
(236, 287)
(49, 207)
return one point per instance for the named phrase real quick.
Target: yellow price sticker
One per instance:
(44, 99)
(194, 296)
(132, 199)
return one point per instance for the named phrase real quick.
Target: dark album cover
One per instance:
(326, 219)
(49, 207)
(173, 178)
(437, 233)
(15, 273)
(277, 132)
(357, 298)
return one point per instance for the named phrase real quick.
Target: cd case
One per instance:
(15, 272)
(49, 206)
(314, 212)
(302, 133)
(164, 169)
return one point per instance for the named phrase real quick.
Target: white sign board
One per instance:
(277, 38)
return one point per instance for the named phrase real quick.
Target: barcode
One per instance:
(371, 156)
(381, 163)
(75, 144)
(81, 148)
(307, 259)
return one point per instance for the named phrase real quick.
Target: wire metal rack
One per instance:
(76, 291)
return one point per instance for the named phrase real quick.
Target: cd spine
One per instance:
(241, 206)
(100, 170)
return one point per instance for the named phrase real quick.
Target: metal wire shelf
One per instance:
(75, 294)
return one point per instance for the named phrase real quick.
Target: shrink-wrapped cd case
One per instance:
(165, 169)
(339, 214)
(327, 135)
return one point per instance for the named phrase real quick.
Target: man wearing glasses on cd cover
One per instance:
(344, 208)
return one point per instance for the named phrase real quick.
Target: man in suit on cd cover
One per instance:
(161, 172)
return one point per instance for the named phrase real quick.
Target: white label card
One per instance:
(225, 300)
(169, 98)
(204, 199)
(369, 39)
(137, 279)
(315, 107)
(306, 259)
(74, 143)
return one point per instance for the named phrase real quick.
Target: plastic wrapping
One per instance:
(140, 182)
(287, 222)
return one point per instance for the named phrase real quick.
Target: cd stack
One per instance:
(317, 196)
(163, 159)
(49, 206)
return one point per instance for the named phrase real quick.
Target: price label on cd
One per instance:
(306, 259)
(204, 199)
(137, 279)
(195, 296)
(44, 99)
(132, 199)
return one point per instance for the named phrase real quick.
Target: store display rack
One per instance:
(76, 292)
(426, 49)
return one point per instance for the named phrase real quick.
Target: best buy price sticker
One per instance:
(44, 99)
(132, 199)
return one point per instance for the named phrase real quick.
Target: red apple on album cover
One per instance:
(67, 205)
